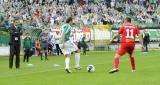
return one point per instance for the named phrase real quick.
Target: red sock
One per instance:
(116, 63)
(132, 63)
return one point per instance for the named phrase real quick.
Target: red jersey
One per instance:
(129, 33)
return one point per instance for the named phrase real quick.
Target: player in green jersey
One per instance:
(68, 45)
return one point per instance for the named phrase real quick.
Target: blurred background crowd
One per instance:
(39, 17)
(46, 14)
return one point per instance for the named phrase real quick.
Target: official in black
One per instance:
(15, 31)
(146, 40)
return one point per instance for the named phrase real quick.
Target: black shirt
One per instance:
(15, 33)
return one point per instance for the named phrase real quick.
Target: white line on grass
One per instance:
(6, 76)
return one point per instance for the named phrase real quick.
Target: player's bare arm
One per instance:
(63, 37)
(114, 37)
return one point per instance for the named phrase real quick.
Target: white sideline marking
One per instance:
(6, 76)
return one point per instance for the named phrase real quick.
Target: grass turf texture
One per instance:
(44, 73)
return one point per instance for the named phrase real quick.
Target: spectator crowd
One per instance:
(48, 14)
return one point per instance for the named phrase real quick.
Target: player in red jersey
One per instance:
(128, 33)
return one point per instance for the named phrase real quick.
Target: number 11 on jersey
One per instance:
(129, 33)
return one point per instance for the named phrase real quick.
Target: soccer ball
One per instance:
(90, 68)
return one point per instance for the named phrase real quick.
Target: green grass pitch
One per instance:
(44, 73)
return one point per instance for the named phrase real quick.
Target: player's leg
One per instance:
(57, 49)
(25, 54)
(130, 51)
(67, 53)
(11, 56)
(73, 48)
(116, 63)
(46, 56)
(121, 51)
(77, 55)
(41, 53)
(67, 62)
(132, 61)
(146, 47)
(60, 50)
(28, 55)
(17, 63)
(45, 53)
(77, 59)
(84, 50)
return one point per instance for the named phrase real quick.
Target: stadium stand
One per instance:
(51, 13)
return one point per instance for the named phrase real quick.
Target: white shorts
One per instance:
(69, 47)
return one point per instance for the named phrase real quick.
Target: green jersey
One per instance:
(66, 29)
(27, 43)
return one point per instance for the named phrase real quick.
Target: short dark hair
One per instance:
(128, 19)
(69, 19)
